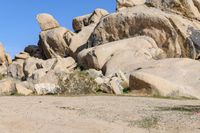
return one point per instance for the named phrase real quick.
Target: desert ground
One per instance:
(98, 114)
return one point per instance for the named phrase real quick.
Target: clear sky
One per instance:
(19, 28)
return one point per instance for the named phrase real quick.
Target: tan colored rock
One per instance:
(53, 43)
(65, 64)
(97, 15)
(187, 8)
(121, 4)
(23, 90)
(175, 77)
(5, 58)
(9, 59)
(142, 47)
(80, 22)
(6, 87)
(3, 70)
(47, 88)
(47, 71)
(22, 55)
(115, 86)
(159, 25)
(2, 55)
(15, 70)
(33, 64)
(79, 41)
(86, 20)
(46, 21)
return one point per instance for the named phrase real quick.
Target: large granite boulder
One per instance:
(52, 38)
(141, 48)
(170, 31)
(79, 41)
(53, 43)
(175, 77)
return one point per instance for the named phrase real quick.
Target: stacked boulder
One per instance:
(147, 47)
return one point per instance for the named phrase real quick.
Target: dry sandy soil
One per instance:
(98, 114)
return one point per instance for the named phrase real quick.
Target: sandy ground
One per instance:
(98, 114)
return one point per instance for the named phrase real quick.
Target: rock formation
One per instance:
(146, 46)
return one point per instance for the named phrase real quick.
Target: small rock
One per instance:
(94, 73)
(23, 90)
(47, 88)
(6, 87)
(99, 81)
(115, 86)
(22, 55)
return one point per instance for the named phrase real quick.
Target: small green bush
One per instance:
(1, 76)
(78, 83)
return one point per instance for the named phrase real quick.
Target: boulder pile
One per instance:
(147, 47)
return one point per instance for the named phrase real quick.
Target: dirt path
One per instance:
(98, 114)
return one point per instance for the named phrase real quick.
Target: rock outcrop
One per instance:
(146, 46)
(113, 56)
(168, 77)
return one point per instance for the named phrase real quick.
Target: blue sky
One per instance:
(19, 28)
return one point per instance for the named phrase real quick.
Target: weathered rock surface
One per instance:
(34, 51)
(189, 8)
(80, 22)
(16, 71)
(53, 43)
(4, 57)
(83, 21)
(47, 88)
(47, 71)
(141, 48)
(123, 4)
(84, 25)
(79, 41)
(23, 90)
(170, 31)
(22, 55)
(46, 21)
(6, 87)
(168, 77)
(134, 40)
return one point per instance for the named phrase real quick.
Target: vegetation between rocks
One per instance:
(1, 76)
(78, 83)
